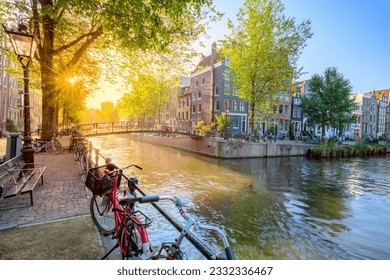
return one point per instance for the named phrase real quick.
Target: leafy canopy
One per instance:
(263, 50)
(329, 102)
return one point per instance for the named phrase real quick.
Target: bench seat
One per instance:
(16, 179)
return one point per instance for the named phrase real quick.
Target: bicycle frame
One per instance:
(42, 145)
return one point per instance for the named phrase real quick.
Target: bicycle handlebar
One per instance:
(115, 169)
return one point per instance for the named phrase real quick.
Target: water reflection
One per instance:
(276, 208)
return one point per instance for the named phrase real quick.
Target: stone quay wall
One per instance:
(230, 148)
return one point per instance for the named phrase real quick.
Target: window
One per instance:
(286, 110)
(193, 108)
(188, 102)
(280, 109)
(242, 106)
(243, 123)
(199, 95)
(196, 83)
(193, 96)
(227, 88)
(216, 90)
(199, 107)
(234, 105)
(187, 116)
(235, 121)
(281, 122)
(203, 81)
(226, 104)
(216, 105)
(295, 112)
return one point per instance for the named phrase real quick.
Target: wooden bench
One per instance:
(16, 178)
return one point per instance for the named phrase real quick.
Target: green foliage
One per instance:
(11, 126)
(149, 94)
(291, 133)
(329, 102)
(223, 122)
(263, 50)
(360, 148)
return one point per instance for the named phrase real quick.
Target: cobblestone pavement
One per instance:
(62, 195)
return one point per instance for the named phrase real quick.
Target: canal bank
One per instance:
(229, 149)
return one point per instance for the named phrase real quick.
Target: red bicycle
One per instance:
(112, 210)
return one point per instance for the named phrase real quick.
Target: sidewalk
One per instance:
(62, 197)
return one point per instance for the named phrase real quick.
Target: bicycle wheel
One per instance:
(102, 214)
(54, 149)
(84, 167)
(131, 241)
(77, 152)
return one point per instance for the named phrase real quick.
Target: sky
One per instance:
(351, 35)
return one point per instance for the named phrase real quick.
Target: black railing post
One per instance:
(90, 152)
(96, 157)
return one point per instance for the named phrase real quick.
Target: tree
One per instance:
(148, 97)
(107, 112)
(329, 102)
(68, 31)
(263, 50)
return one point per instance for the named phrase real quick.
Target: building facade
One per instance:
(213, 94)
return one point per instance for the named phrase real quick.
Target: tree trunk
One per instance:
(322, 132)
(252, 118)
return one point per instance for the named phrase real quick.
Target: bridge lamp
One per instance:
(24, 45)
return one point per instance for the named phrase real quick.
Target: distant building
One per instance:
(183, 108)
(213, 93)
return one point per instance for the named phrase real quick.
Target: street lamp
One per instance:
(24, 45)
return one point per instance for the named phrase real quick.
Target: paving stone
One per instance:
(62, 195)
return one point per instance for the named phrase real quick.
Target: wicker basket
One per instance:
(96, 182)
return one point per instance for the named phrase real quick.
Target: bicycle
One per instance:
(112, 215)
(52, 147)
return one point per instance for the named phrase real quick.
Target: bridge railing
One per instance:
(123, 126)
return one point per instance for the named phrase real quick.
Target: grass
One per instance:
(331, 148)
(66, 240)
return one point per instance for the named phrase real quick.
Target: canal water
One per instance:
(276, 208)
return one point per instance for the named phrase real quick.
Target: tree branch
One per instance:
(77, 40)
(92, 37)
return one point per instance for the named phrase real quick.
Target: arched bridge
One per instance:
(109, 128)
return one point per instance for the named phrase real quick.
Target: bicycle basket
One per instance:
(96, 182)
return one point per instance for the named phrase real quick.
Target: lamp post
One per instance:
(24, 45)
